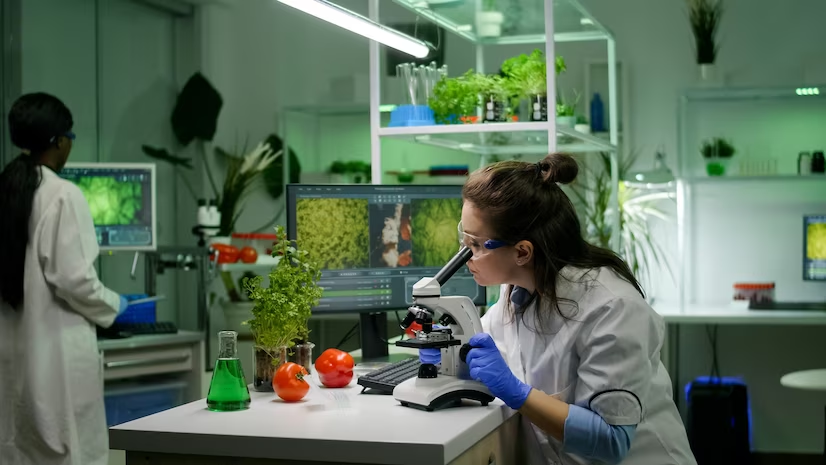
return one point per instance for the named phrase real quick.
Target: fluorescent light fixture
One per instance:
(387, 108)
(807, 91)
(354, 22)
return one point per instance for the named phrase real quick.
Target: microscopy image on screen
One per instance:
(390, 244)
(433, 230)
(334, 231)
(816, 241)
(112, 202)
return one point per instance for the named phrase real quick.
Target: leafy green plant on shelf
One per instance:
(281, 310)
(592, 197)
(705, 16)
(717, 152)
(455, 98)
(498, 91)
(528, 73)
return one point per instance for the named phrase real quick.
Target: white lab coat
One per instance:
(605, 358)
(51, 391)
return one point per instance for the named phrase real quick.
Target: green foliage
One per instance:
(433, 222)
(489, 5)
(335, 231)
(283, 308)
(581, 120)
(705, 16)
(501, 89)
(528, 73)
(717, 148)
(592, 197)
(455, 97)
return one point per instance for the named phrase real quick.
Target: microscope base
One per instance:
(441, 392)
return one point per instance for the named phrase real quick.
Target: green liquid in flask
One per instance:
(228, 389)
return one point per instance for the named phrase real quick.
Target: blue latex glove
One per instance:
(123, 304)
(432, 356)
(487, 365)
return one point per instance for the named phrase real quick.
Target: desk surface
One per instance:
(812, 380)
(335, 425)
(722, 314)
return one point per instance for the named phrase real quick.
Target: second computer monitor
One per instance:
(122, 201)
(814, 245)
(375, 241)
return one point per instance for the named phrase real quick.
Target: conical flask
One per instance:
(228, 389)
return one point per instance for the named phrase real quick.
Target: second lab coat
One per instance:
(605, 358)
(51, 392)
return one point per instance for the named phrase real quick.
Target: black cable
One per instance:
(348, 336)
(712, 339)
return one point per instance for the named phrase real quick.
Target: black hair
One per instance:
(523, 201)
(35, 122)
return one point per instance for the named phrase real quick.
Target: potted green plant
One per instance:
(582, 125)
(281, 309)
(489, 20)
(499, 98)
(705, 16)
(455, 99)
(528, 76)
(717, 154)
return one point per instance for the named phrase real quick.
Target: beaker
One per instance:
(228, 389)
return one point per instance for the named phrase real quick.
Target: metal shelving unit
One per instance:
(561, 21)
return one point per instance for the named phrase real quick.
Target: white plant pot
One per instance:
(489, 23)
(583, 128)
(567, 121)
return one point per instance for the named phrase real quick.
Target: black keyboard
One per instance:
(122, 330)
(386, 378)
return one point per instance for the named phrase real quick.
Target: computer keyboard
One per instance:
(122, 330)
(386, 378)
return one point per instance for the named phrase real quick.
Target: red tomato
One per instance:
(249, 255)
(289, 383)
(335, 368)
(226, 253)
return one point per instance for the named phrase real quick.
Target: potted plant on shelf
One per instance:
(717, 154)
(455, 99)
(528, 76)
(282, 309)
(489, 20)
(499, 98)
(705, 16)
(582, 125)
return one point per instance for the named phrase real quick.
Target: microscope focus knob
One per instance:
(464, 351)
(428, 370)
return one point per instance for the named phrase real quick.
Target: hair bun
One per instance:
(559, 168)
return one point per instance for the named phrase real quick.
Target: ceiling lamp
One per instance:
(354, 22)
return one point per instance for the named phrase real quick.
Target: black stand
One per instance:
(373, 334)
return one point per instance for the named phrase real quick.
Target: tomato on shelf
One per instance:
(249, 255)
(289, 383)
(335, 368)
(226, 253)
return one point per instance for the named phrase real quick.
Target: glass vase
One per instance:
(302, 354)
(267, 361)
(494, 110)
(716, 166)
(538, 108)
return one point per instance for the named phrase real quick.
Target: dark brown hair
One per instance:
(523, 201)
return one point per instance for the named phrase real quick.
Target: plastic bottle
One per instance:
(597, 114)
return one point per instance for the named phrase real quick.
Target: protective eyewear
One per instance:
(69, 135)
(478, 245)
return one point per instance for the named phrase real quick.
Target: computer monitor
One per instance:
(122, 199)
(814, 248)
(374, 242)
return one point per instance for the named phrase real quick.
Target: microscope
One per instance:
(458, 320)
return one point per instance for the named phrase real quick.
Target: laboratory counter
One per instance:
(328, 426)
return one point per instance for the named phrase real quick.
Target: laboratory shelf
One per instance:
(735, 179)
(523, 21)
(499, 138)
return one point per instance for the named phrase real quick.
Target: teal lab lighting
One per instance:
(807, 91)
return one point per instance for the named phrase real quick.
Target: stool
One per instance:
(810, 380)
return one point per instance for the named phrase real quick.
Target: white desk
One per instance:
(329, 426)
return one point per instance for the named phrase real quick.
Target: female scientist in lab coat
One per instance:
(51, 394)
(571, 344)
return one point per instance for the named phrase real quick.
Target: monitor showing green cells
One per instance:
(814, 244)
(121, 199)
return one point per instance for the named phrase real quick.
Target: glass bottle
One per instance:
(228, 389)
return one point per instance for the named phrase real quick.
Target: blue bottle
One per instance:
(597, 114)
